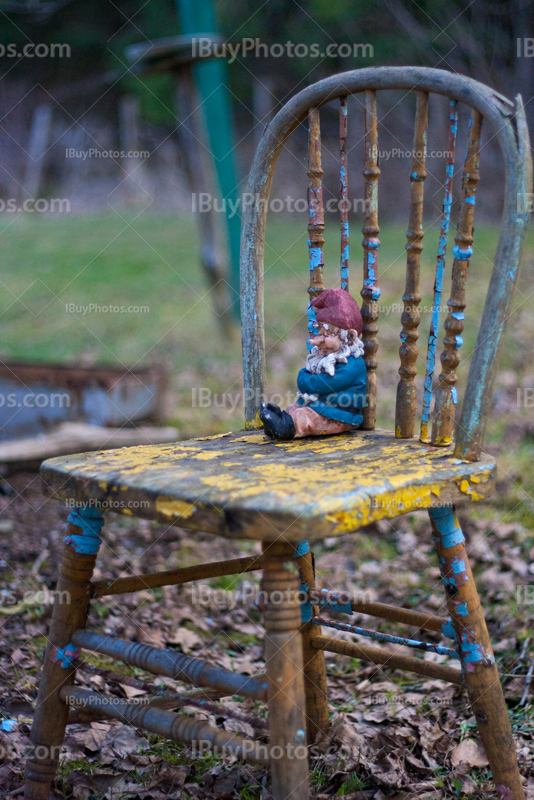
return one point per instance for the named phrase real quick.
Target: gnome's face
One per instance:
(328, 339)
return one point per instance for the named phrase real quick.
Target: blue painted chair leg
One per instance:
(71, 606)
(476, 656)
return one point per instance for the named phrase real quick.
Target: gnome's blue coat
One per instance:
(341, 395)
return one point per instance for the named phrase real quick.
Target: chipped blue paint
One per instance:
(461, 609)
(457, 315)
(445, 523)
(462, 254)
(90, 520)
(458, 566)
(316, 256)
(448, 630)
(471, 200)
(65, 656)
(312, 323)
(306, 611)
(454, 395)
(302, 548)
(385, 637)
(474, 652)
(459, 341)
(9, 725)
(440, 271)
(331, 600)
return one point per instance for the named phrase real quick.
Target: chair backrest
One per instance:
(507, 120)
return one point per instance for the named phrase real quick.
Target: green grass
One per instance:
(153, 261)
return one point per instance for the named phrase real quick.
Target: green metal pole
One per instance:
(211, 82)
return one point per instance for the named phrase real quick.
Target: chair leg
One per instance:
(288, 753)
(477, 659)
(314, 661)
(71, 606)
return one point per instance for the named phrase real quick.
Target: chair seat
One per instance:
(241, 485)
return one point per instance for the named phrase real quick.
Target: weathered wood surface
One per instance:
(440, 268)
(478, 662)
(378, 655)
(446, 393)
(370, 291)
(285, 675)
(173, 665)
(178, 727)
(343, 193)
(173, 577)
(405, 406)
(242, 485)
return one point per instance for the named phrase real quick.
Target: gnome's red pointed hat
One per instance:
(337, 307)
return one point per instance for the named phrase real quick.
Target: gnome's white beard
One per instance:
(316, 363)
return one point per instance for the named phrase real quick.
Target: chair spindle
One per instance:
(446, 394)
(315, 212)
(370, 292)
(405, 406)
(440, 269)
(343, 193)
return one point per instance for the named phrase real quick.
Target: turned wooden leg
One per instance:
(288, 753)
(477, 659)
(314, 663)
(71, 606)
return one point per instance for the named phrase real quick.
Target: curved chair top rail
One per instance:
(507, 119)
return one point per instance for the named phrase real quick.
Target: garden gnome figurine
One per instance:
(332, 387)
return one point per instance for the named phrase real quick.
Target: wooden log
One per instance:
(178, 727)
(283, 658)
(370, 292)
(440, 269)
(478, 662)
(341, 602)
(315, 213)
(391, 660)
(406, 390)
(174, 577)
(343, 193)
(446, 393)
(314, 665)
(71, 606)
(173, 665)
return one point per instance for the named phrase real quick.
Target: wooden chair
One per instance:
(242, 486)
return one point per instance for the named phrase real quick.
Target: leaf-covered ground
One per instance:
(393, 735)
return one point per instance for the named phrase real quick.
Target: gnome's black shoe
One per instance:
(277, 424)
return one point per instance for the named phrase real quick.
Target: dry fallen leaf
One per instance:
(469, 753)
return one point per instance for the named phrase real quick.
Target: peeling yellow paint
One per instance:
(209, 454)
(255, 423)
(174, 508)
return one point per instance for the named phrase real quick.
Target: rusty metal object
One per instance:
(173, 577)
(173, 665)
(478, 662)
(344, 193)
(446, 393)
(427, 647)
(391, 660)
(370, 292)
(440, 268)
(179, 727)
(405, 406)
(343, 603)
